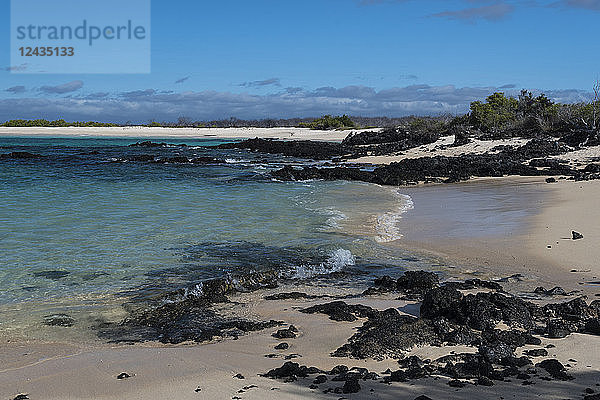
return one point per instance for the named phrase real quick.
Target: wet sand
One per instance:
(497, 227)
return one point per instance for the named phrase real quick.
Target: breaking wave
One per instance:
(386, 225)
(337, 261)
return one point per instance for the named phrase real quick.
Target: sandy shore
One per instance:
(524, 227)
(139, 132)
(487, 227)
(55, 371)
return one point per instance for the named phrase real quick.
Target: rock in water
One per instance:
(577, 235)
(59, 320)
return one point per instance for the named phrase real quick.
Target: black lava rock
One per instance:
(576, 235)
(537, 353)
(351, 386)
(64, 320)
(288, 333)
(455, 383)
(555, 369)
(340, 311)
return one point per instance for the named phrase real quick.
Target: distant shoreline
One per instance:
(142, 132)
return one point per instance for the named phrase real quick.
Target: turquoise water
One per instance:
(84, 222)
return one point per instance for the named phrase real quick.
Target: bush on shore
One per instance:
(328, 122)
(56, 123)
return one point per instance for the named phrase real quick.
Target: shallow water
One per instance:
(81, 229)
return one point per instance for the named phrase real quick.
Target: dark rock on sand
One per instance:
(479, 311)
(571, 316)
(291, 370)
(536, 352)
(412, 283)
(340, 311)
(555, 291)
(351, 386)
(466, 366)
(485, 381)
(21, 396)
(443, 301)
(239, 376)
(403, 138)
(282, 346)
(59, 320)
(123, 375)
(290, 296)
(289, 333)
(417, 282)
(320, 379)
(388, 333)
(474, 283)
(555, 369)
(516, 338)
(557, 329)
(455, 383)
(576, 235)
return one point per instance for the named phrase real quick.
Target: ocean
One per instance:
(94, 223)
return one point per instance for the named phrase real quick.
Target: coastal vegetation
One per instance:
(328, 122)
(56, 123)
(498, 116)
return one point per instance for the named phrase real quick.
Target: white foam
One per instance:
(337, 261)
(335, 216)
(386, 225)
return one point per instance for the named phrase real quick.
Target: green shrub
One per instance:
(329, 122)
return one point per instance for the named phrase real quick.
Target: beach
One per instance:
(143, 132)
(487, 228)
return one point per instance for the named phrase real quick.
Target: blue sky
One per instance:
(278, 58)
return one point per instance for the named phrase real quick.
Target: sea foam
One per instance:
(337, 261)
(386, 225)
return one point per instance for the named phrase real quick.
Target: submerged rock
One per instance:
(20, 155)
(53, 275)
(59, 320)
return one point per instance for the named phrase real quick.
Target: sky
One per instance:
(283, 59)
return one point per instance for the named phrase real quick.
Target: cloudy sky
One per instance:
(281, 58)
